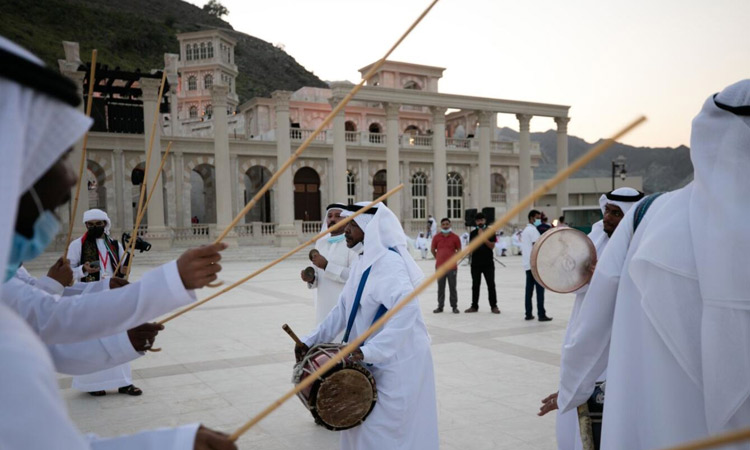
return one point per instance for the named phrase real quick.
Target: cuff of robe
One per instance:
(174, 282)
(184, 438)
(121, 348)
(369, 356)
(50, 285)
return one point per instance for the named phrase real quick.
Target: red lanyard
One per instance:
(104, 260)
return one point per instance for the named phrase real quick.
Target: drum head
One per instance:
(561, 258)
(344, 399)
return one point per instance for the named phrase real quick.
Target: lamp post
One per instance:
(618, 168)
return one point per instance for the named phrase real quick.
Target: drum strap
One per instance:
(640, 210)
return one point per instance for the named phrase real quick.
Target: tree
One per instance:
(215, 8)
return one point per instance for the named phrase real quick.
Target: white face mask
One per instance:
(358, 247)
(445, 231)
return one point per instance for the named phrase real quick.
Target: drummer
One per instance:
(614, 205)
(398, 355)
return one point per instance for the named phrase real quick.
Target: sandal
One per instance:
(98, 393)
(130, 390)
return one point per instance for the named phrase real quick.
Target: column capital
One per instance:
(438, 114)
(334, 102)
(484, 118)
(282, 100)
(391, 110)
(150, 89)
(524, 120)
(562, 124)
(219, 94)
(117, 151)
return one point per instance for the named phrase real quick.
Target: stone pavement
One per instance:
(229, 359)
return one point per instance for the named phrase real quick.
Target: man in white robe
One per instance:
(398, 355)
(421, 244)
(672, 332)
(331, 264)
(39, 123)
(614, 206)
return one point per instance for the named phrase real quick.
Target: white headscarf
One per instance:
(383, 232)
(623, 197)
(340, 206)
(364, 219)
(35, 131)
(97, 214)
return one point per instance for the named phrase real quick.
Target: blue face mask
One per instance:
(537, 222)
(23, 249)
(334, 239)
(445, 231)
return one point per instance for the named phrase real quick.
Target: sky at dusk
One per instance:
(610, 61)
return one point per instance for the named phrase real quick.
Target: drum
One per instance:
(561, 260)
(343, 397)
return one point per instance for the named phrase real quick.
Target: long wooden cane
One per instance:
(440, 272)
(338, 226)
(717, 440)
(320, 128)
(82, 165)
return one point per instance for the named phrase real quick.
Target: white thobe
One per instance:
(405, 415)
(34, 416)
(566, 425)
(330, 282)
(528, 237)
(106, 265)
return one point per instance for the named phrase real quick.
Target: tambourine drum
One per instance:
(343, 397)
(561, 258)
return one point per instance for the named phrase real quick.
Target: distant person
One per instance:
(544, 226)
(561, 222)
(516, 241)
(502, 243)
(529, 236)
(421, 245)
(483, 263)
(431, 227)
(444, 246)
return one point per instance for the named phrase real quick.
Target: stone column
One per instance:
(525, 182)
(392, 157)
(286, 236)
(233, 167)
(223, 176)
(119, 189)
(338, 174)
(157, 231)
(484, 158)
(562, 162)
(178, 168)
(364, 193)
(70, 71)
(440, 169)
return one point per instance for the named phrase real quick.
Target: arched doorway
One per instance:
(255, 178)
(379, 183)
(203, 193)
(307, 195)
(455, 195)
(419, 196)
(350, 129)
(497, 188)
(376, 136)
(97, 191)
(412, 129)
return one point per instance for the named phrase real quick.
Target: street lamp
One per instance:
(618, 168)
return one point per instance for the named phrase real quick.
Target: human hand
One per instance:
(356, 355)
(199, 266)
(88, 268)
(208, 439)
(320, 261)
(143, 336)
(115, 282)
(300, 350)
(308, 275)
(549, 403)
(61, 272)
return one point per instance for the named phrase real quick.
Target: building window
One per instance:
(412, 85)
(203, 50)
(208, 81)
(351, 188)
(189, 52)
(497, 189)
(193, 112)
(192, 83)
(379, 183)
(419, 196)
(195, 51)
(209, 110)
(210, 49)
(455, 196)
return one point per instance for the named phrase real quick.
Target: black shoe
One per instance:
(495, 310)
(545, 319)
(472, 310)
(529, 318)
(437, 310)
(456, 311)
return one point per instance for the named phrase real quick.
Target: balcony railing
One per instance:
(298, 134)
(311, 227)
(498, 197)
(454, 143)
(417, 141)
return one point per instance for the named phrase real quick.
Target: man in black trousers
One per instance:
(482, 262)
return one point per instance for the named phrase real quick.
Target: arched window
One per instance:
(189, 52)
(379, 182)
(210, 49)
(412, 85)
(203, 50)
(350, 131)
(412, 129)
(419, 196)
(192, 83)
(455, 195)
(208, 81)
(351, 188)
(193, 112)
(376, 136)
(209, 111)
(497, 189)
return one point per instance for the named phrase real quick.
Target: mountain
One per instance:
(662, 168)
(135, 34)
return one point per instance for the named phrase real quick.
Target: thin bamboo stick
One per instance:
(338, 226)
(82, 165)
(717, 440)
(323, 124)
(439, 272)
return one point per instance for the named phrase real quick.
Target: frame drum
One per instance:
(561, 259)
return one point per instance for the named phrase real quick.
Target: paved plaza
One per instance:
(229, 359)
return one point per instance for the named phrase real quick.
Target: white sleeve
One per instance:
(586, 355)
(331, 326)
(49, 285)
(86, 357)
(336, 272)
(180, 438)
(74, 257)
(91, 316)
